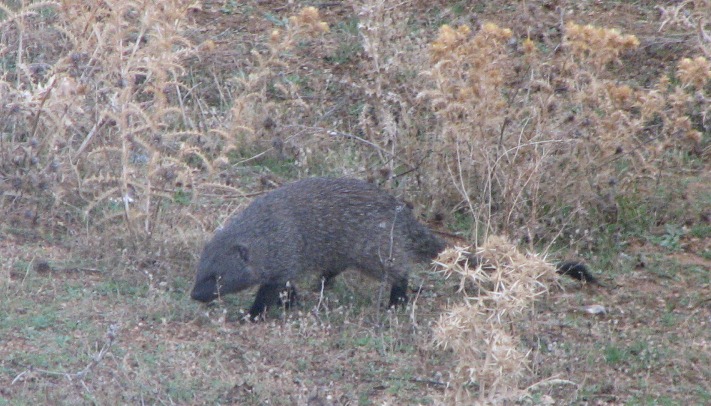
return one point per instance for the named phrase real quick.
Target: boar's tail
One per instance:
(577, 270)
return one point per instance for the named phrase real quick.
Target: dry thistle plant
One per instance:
(109, 132)
(532, 143)
(626, 126)
(467, 75)
(264, 102)
(389, 118)
(100, 125)
(597, 45)
(496, 295)
(694, 15)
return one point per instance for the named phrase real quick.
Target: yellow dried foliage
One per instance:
(596, 44)
(448, 40)
(529, 47)
(517, 127)
(694, 72)
(309, 20)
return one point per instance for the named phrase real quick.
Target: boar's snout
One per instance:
(205, 290)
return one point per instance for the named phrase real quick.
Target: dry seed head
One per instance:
(309, 20)
(448, 40)
(663, 84)
(491, 29)
(695, 136)
(651, 103)
(221, 162)
(601, 45)
(68, 87)
(309, 15)
(682, 124)
(679, 100)
(622, 96)
(695, 72)
(207, 46)
(629, 41)
(467, 93)
(529, 47)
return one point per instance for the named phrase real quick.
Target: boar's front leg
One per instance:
(269, 295)
(398, 292)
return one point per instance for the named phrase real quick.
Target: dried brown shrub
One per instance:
(101, 125)
(268, 107)
(525, 138)
(482, 330)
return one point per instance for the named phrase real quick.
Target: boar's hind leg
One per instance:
(269, 295)
(327, 278)
(398, 293)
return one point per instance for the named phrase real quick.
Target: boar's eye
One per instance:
(242, 251)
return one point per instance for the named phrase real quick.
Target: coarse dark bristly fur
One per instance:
(324, 226)
(317, 225)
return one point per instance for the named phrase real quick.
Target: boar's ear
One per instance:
(242, 251)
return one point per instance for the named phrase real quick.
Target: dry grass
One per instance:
(129, 131)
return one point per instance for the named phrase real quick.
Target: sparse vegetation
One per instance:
(130, 130)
